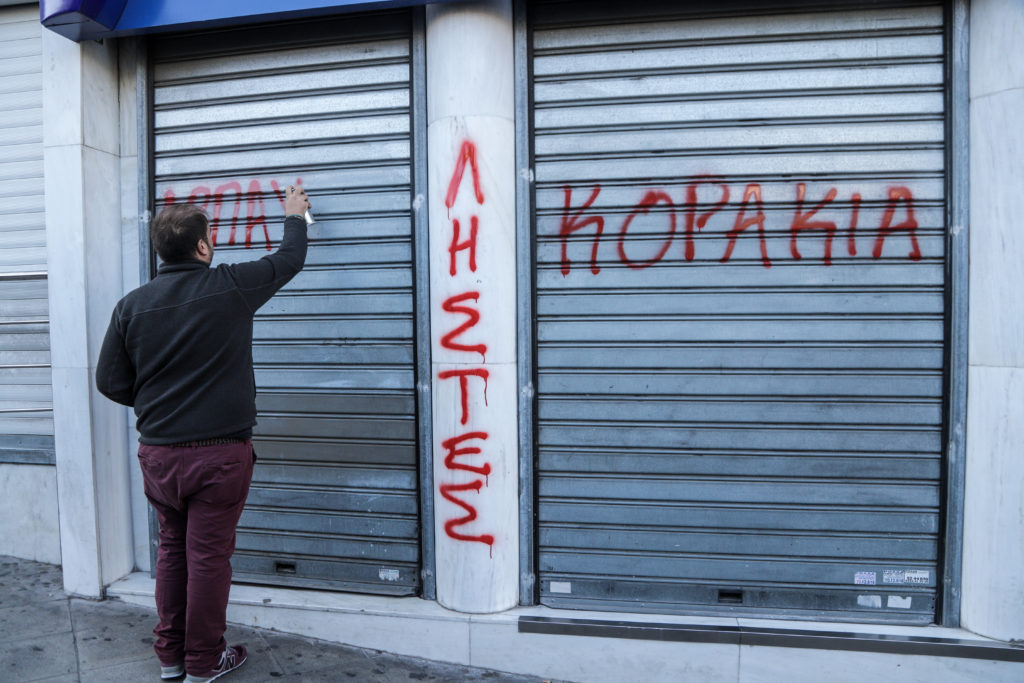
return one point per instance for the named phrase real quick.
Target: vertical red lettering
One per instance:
(802, 221)
(451, 445)
(455, 446)
(457, 246)
(851, 241)
(168, 196)
(466, 154)
(649, 200)
(473, 317)
(896, 195)
(753, 191)
(572, 223)
(690, 212)
(464, 376)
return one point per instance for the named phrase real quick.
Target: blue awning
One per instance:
(91, 19)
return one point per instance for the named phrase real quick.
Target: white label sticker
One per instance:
(865, 578)
(894, 576)
(869, 600)
(561, 587)
(388, 574)
(897, 576)
(897, 601)
(917, 576)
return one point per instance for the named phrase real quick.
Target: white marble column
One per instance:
(471, 157)
(83, 246)
(993, 567)
(131, 58)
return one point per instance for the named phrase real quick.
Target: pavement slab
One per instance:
(39, 619)
(38, 657)
(27, 583)
(300, 656)
(111, 632)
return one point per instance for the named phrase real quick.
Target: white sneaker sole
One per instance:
(191, 679)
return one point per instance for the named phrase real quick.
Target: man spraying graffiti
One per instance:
(179, 350)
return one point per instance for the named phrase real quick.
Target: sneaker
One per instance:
(172, 671)
(232, 658)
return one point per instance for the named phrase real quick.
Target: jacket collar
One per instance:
(180, 266)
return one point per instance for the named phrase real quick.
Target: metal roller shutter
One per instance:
(26, 408)
(239, 115)
(740, 244)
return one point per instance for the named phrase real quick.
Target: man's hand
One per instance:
(295, 201)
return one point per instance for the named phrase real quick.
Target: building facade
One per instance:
(683, 315)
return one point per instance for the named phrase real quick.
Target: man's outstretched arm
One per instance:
(260, 280)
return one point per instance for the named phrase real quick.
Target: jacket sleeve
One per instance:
(115, 372)
(260, 280)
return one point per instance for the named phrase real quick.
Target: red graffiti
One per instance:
(252, 218)
(279, 192)
(851, 241)
(749, 213)
(571, 224)
(472, 318)
(255, 210)
(218, 203)
(466, 154)
(457, 246)
(753, 191)
(650, 200)
(802, 221)
(464, 376)
(692, 219)
(197, 192)
(455, 447)
(897, 194)
(451, 524)
(453, 452)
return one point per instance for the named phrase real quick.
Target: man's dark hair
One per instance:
(176, 230)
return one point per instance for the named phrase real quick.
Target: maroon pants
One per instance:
(198, 493)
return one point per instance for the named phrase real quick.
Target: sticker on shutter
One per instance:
(917, 576)
(895, 601)
(865, 578)
(869, 600)
(897, 576)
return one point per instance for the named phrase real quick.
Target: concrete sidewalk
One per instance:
(47, 636)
